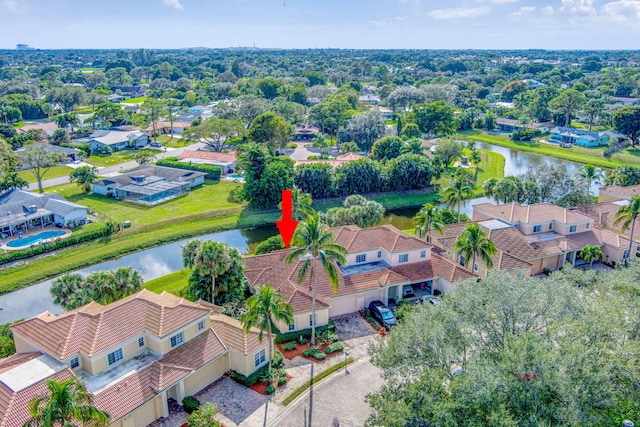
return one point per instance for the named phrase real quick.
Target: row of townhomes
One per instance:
(138, 353)
(133, 355)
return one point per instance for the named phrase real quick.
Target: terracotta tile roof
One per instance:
(14, 406)
(447, 269)
(94, 328)
(604, 215)
(356, 239)
(232, 334)
(348, 157)
(337, 162)
(208, 155)
(622, 192)
(531, 214)
(196, 352)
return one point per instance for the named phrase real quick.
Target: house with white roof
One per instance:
(117, 140)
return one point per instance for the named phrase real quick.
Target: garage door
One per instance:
(343, 305)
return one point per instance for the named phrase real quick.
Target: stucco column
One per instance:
(180, 391)
(165, 405)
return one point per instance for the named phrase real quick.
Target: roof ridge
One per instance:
(94, 341)
(74, 322)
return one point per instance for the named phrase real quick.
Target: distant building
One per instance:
(226, 161)
(305, 132)
(581, 137)
(116, 140)
(21, 46)
(369, 99)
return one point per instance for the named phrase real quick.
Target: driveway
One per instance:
(352, 326)
(339, 402)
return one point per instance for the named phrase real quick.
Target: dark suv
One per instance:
(382, 314)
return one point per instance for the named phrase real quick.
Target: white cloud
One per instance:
(622, 10)
(401, 18)
(498, 1)
(174, 4)
(524, 12)
(578, 7)
(9, 5)
(459, 13)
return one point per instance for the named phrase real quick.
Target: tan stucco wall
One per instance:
(390, 258)
(206, 375)
(190, 331)
(142, 416)
(301, 320)
(22, 345)
(479, 216)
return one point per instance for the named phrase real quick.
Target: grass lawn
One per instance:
(137, 100)
(54, 172)
(116, 158)
(593, 156)
(173, 143)
(18, 125)
(173, 282)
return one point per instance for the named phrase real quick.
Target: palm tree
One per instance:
(85, 176)
(627, 215)
(589, 174)
(475, 158)
(427, 218)
(413, 146)
(489, 188)
(300, 202)
(459, 190)
(126, 281)
(212, 260)
(262, 307)
(68, 404)
(472, 243)
(591, 253)
(64, 288)
(315, 244)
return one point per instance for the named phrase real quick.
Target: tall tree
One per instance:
(153, 110)
(593, 109)
(300, 202)
(214, 132)
(40, 157)
(567, 103)
(460, 189)
(472, 243)
(426, 219)
(264, 306)
(435, 118)
(364, 129)
(412, 146)
(589, 174)
(68, 403)
(387, 148)
(316, 245)
(84, 176)
(627, 121)
(626, 216)
(272, 130)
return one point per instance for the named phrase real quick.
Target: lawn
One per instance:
(593, 156)
(172, 143)
(173, 283)
(116, 158)
(54, 172)
(137, 100)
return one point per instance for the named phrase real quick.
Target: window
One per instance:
(259, 358)
(177, 339)
(361, 258)
(573, 228)
(115, 356)
(423, 254)
(625, 254)
(403, 258)
(74, 363)
(292, 326)
(462, 261)
(379, 254)
(141, 342)
(537, 228)
(201, 325)
(475, 267)
(587, 226)
(551, 226)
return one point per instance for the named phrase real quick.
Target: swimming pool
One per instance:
(28, 241)
(236, 176)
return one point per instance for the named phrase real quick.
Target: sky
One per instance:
(302, 24)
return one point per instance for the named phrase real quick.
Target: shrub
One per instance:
(291, 345)
(282, 380)
(213, 172)
(297, 392)
(316, 354)
(204, 417)
(336, 346)
(277, 360)
(302, 339)
(270, 389)
(190, 404)
(251, 379)
(306, 333)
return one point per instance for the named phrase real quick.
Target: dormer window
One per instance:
(177, 339)
(573, 229)
(537, 228)
(74, 363)
(361, 258)
(403, 258)
(423, 254)
(379, 254)
(551, 226)
(587, 226)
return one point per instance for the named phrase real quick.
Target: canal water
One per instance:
(165, 259)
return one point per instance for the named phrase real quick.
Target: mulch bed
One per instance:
(289, 355)
(262, 386)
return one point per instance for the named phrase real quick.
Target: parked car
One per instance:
(407, 291)
(431, 298)
(155, 144)
(382, 314)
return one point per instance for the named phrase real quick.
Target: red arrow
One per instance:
(286, 225)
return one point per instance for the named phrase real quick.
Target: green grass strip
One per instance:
(297, 392)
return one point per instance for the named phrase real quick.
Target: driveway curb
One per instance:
(290, 407)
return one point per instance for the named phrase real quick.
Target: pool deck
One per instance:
(33, 232)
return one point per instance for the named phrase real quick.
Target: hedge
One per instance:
(332, 348)
(291, 336)
(74, 239)
(316, 354)
(213, 172)
(297, 392)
